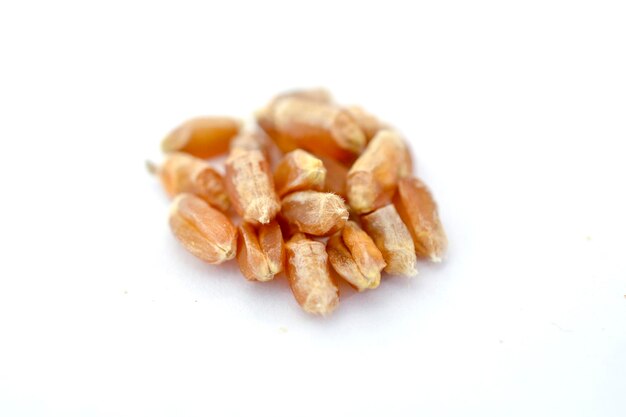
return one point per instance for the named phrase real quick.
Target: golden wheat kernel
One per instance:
(309, 275)
(336, 174)
(393, 239)
(265, 116)
(250, 257)
(203, 230)
(250, 186)
(297, 171)
(183, 173)
(313, 212)
(418, 209)
(374, 176)
(369, 124)
(339, 136)
(344, 265)
(203, 137)
(272, 245)
(320, 128)
(367, 256)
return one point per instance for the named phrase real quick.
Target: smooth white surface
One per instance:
(516, 115)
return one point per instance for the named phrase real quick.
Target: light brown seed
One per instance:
(265, 117)
(393, 239)
(344, 264)
(336, 174)
(374, 176)
(203, 230)
(203, 137)
(251, 259)
(260, 253)
(309, 276)
(418, 210)
(367, 256)
(250, 186)
(297, 171)
(183, 173)
(369, 124)
(314, 212)
(320, 128)
(273, 246)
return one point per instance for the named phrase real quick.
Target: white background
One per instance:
(515, 112)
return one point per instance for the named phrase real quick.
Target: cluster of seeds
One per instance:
(320, 191)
